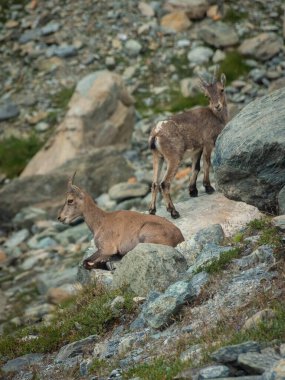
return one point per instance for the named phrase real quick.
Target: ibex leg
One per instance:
(196, 157)
(207, 164)
(157, 165)
(171, 170)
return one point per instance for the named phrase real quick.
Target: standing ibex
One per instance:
(195, 130)
(115, 232)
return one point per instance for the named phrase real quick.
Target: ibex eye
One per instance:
(222, 90)
(70, 201)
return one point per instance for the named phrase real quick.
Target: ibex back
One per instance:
(195, 130)
(115, 232)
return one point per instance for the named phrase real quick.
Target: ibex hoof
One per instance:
(193, 193)
(87, 264)
(209, 189)
(152, 211)
(175, 214)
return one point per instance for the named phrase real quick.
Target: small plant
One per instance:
(62, 98)
(257, 224)
(15, 153)
(181, 103)
(234, 66)
(219, 264)
(234, 16)
(238, 238)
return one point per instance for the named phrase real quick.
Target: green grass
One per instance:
(238, 238)
(268, 234)
(62, 97)
(89, 310)
(234, 16)
(15, 153)
(219, 264)
(234, 66)
(180, 103)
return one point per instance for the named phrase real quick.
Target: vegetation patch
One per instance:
(221, 263)
(232, 15)
(15, 153)
(89, 313)
(62, 98)
(234, 66)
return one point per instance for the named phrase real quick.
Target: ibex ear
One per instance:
(223, 79)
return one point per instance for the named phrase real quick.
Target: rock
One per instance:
(190, 248)
(74, 234)
(125, 190)
(218, 34)
(91, 174)
(230, 354)
(146, 9)
(262, 47)
(30, 35)
(276, 372)
(219, 56)
(175, 21)
(195, 9)
(64, 51)
(50, 28)
(16, 365)
(190, 87)
(35, 313)
(148, 267)
(58, 295)
(265, 316)
(257, 363)
(213, 372)
(8, 110)
(248, 159)
(263, 254)
(194, 353)
(281, 201)
(17, 238)
(278, 221)
(75, 348)
(277, 84)
(199, 55)
(28, 216)
(159, 312)
(133, 48)
(100, 113)
(3, 302)
(48, 280)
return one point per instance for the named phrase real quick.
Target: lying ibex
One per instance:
(195, 130)
(115, 232)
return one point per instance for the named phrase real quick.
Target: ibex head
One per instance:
(72, 209)
(214, 90)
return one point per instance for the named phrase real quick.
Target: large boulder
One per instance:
(262, 47)
(96, 172)
(149, 267)
(218, 34)
(100, 112)
(249, 160)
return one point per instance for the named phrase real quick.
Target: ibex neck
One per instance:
(92, 214)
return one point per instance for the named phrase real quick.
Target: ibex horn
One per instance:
(215, 75)
(70, 181)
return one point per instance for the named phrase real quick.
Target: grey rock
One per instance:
(35, 313)
(125, 190)
(195, 9)
(16, 365)
(54, 279)
(50, 28)
(8, 110)
(28, 216)
(133, 48)
(64, 51)
(194, 353)
(257, 74)
(75, 348)
(17, 238)
(279, 222)
(41, 243)
(200, 55)
(218, 34)
(214, 371)
(263, 254)
(281, 201)
(149, 267)
(257, 363)
(30, 35)
(248, 159)
(230, 354)
(262, 47)
(74, 234)
(276, 372)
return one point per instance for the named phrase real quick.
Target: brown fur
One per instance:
(195, 130)
(115, 232)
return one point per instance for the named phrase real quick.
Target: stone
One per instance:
(278, 221)
(257, 363)
(50, 28)
(133, 48)
(58, 295)
(17, 238)
(281, 201)
(195, 9)
(146, 9)
(125, 190)
(263, 254)
(219, 56)
(175, 21)
(64, 51)
(218, 34)
(248, 158)
(17, 364)
(100, 113)
(190, 87)
(262, 47)
(149, 267)
(35, 313)
(213, 372)
(3, 256)
(199, 55)
(28, 216)
(265, 316)
(276, 372)
(75, 348)
(194, 353)
(230, 354)
(73, 234)
(91, 174)
(8, 110)
(30, 35)
(52, 279)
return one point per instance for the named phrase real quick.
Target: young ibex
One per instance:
(195, 130)
(118, 232)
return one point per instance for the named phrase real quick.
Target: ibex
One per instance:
(117, 232)
(195, 130)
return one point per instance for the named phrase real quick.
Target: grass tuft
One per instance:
(62, 98)
(234, 66)
(221, 263)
